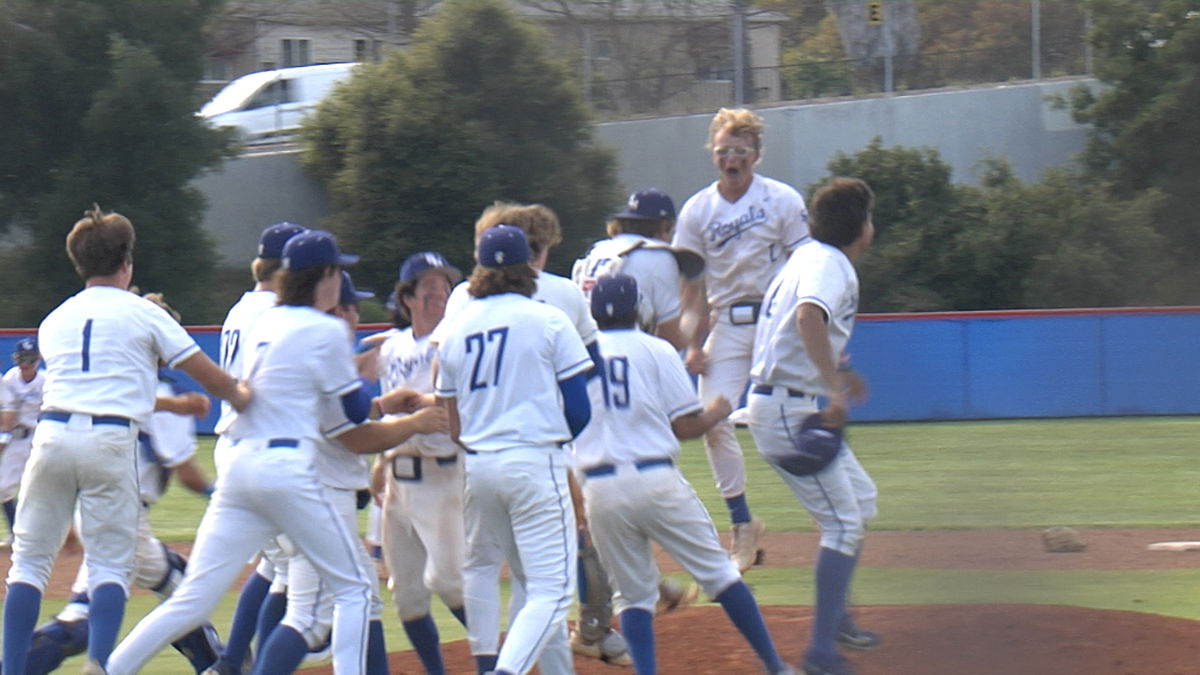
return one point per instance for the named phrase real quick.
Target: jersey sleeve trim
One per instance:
(570, 371)
(689, 409)
(811, 300)
(183, 355)
(345, 388)
(796, 244)
(338, 429)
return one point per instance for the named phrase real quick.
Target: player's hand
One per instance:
(379, 479)
(719, 407)
(855, 386)
(835, 413)
(241, 397)
(696, 361)
(401, 401)
(197, 404)
(432, 420)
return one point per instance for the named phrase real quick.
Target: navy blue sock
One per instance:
(739, 604)
(637, 625)
(377, 656)
(460, 613)
(485, 663)
(245, 619)
(21, 608)
(739, 510)
(107, 610)
(423, 634)
(833, 574)
(282, 654)
(10, 512)
(269, 616)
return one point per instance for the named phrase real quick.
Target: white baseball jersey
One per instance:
(644, 389)
(169, 440)
(744, 243)
(102, 347)
(238, 324)
(514, 352)
(551, 289)
(819, 274)
(23, 397)
(407, 362)
(298, 356)
(655, 269)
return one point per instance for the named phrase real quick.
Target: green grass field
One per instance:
(1109, 472)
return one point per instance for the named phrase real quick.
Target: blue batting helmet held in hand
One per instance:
(813, 448)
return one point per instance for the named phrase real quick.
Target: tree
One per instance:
(98, 106)
(1146, 134)
(414, 148)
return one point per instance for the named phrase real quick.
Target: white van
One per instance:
(272, 103)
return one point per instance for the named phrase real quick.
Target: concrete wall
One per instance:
(964, 126)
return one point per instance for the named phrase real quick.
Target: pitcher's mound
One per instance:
(919, 640)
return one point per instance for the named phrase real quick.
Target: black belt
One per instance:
(766, 390)
(283, 443)
(21, 431)
(407, 468)
(640, 465)
(60, 416)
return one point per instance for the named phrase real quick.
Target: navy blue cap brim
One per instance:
(630, 215)
(346, 259)
(363, 295)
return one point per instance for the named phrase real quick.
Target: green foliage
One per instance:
(98, 106)
(1146, 134)
(477, 110)
(1062, 242)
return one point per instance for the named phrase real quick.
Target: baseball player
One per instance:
(301, 360)
(513, 373)
(165, 448)
(264, 593)
(19, 407)
(637, 246)
(309, 618)
(102, 348)
(744, 225)
(422, 528)
(633, 494)
(807, 320)
(541, 227)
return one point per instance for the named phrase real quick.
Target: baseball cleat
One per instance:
(673, 595)
(860, 640)
(745, 548)
(610, 649)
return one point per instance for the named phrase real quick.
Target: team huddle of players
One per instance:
(525, 419)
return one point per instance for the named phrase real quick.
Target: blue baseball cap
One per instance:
(26, 346)
(648, 204)
(418, 263)
(314, 248)
(350, 294)
(270, 244)
(614, 297)
(503, 246)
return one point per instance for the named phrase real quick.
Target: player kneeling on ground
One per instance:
(807, 321)
(632, 491)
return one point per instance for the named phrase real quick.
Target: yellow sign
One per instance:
(875, 13)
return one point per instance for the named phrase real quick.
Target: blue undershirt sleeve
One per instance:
(576, 406)
(357, 404)
(597, 360)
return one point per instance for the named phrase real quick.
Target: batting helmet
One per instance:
(813, 448)
(614, 298)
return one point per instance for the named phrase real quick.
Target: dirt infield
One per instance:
(942, 639)
(924, 640)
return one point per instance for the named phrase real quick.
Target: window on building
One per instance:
(367, 50)
(295, 52)
(603, 49)
(216, 69)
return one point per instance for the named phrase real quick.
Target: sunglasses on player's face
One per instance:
(739, 151)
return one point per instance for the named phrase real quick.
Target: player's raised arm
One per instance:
(216, 381)
(378, 436)
(695, 425)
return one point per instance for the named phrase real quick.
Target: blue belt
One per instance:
(641, 465)
(766, 390)
(60, 416)
(283, 443)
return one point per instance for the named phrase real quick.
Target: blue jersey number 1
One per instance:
(87, 346)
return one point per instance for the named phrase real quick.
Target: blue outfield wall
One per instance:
(984, 365)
